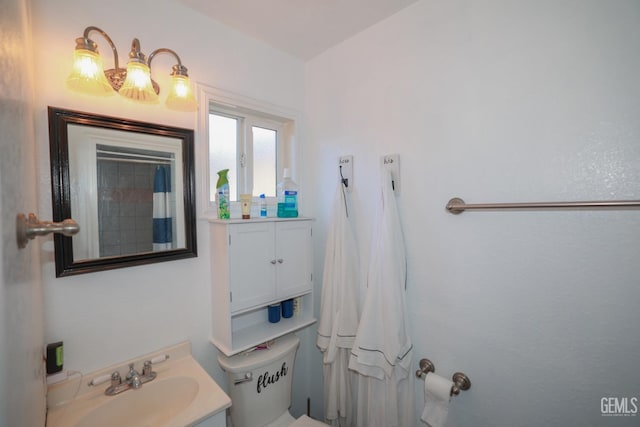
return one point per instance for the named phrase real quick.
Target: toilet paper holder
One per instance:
(426, 366)
(460, 380)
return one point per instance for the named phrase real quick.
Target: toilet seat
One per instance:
(284, 420)
(287, 420)
(305, 421)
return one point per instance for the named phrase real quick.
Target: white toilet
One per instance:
(260, 386)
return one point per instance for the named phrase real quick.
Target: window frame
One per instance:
(252, 112)
(245, 122)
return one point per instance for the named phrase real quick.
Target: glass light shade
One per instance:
(87, 74)
(180, 94)
(137, 85)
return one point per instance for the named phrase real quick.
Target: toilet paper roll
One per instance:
(437, 395)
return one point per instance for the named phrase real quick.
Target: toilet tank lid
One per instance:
(247, 361)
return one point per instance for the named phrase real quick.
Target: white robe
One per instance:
(383, 351)
(339, 315)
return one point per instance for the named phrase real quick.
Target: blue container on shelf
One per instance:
(274, 313)
(287, 308)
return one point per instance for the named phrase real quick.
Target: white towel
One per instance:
(382, 351)
(339, 389)
(339, 313)
(339, 308)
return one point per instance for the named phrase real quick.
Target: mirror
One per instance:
(130, 186)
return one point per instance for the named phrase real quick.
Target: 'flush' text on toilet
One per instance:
(266, 379)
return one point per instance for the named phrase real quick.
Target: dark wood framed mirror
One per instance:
(130, 185)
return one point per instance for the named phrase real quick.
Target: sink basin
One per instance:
(154, 404)
(182, 394)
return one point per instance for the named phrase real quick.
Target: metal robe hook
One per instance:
(345, 181)
(28, 228)
(391, 162)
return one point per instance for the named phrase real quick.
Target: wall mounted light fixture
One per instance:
(134, 82)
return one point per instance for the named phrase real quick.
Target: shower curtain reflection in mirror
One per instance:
(126, 190)
(162, 209)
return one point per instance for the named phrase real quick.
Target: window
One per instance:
(252, 139)
(247, 145)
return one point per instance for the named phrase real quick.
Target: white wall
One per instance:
(499, 101)
(22, 390)
(490, 101)
(112, 316)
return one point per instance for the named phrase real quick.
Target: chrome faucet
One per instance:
(133, 379)
(146, 369)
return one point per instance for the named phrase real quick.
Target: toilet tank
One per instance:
(267, 396)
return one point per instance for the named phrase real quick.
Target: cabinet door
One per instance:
(293, 255)
(252, 263)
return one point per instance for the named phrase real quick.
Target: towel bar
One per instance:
(457, 205)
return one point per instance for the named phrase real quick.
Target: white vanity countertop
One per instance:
(72, 402)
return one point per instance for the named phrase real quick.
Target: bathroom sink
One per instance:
(182, 394)
(154, 404)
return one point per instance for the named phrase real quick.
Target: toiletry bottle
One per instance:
(222, 195)
(263, 206)
(297, 306)
(287, 196)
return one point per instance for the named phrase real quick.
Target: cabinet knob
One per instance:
(280, 260)
(273, 261)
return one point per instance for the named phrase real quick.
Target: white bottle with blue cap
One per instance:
(263, 206)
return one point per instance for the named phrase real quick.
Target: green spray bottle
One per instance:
(222, 194)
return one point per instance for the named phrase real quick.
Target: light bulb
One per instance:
(87, 74)
(137, 86)
(180, 94)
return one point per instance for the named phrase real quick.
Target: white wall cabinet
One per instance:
(256, 263)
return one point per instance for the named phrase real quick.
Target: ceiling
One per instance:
(302, 28)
